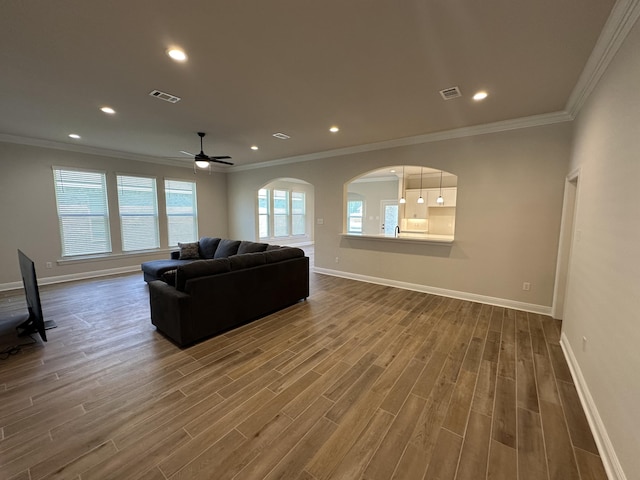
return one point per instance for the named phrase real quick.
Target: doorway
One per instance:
(567, 228)
(389, 216)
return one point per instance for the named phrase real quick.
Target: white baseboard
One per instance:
(603, 442)
(472, 297)
(74, 276)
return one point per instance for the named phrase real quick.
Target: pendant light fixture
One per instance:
(440, 200)
(402, 199)
(420, 199)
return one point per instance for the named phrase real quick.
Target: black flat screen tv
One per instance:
(35, 323)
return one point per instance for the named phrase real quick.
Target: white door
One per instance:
(390, 216)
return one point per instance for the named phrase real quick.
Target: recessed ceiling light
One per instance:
(177, 54)
(480, 96)
(392, 171)
(334, 129)
(75, 136)
(254, 147)
(108, 110)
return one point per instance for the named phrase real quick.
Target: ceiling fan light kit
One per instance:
(202, 160)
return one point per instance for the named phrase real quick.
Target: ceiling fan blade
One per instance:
(221, 157)
(214, 159)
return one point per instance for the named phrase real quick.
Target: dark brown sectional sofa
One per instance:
(193, 299)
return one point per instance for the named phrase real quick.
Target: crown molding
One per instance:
(495, 127)
(623, 16)
(104, 152)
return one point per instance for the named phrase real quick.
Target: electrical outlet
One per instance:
(49, 265)
(584, 343)
(337, 259)
(526, 286)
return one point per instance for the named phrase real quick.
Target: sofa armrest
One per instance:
(170, 311)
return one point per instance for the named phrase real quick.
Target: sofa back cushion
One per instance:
(251, 247)
(226, 248)
(208, 246)
(283, 253)
(247, 260)
(201, 268)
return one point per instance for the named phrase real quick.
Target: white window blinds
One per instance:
(83, 214)
(182, 216)
(298, 213)
(263, 213)
(138, 206)
(280, 213)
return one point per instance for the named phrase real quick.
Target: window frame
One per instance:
(169, 216)
(271, 215)
(69, 248)
(155, 234)
(351, 215)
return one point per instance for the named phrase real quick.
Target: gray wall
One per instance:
(510, 189)
(602, 302)
(29, 218)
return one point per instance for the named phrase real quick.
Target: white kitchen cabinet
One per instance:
(413, 209)
(448, 194)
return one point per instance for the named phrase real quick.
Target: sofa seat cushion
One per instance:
(283, 253)
(251, 247)
(200, 268)
(226, 248)
(208, 246)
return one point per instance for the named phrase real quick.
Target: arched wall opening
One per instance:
(284, 213)
(402, 201)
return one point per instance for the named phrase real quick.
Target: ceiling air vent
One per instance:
(281, 136)
(167, 97)
(449, 93)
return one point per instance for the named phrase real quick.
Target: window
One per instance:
(280, 213)
(182, 217)
(263, 213)
(354, 216)
(138, 206)
(298, 211)
(83, 214)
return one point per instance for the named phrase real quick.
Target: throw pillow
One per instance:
(188, 250)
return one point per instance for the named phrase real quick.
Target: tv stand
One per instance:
(28, 327)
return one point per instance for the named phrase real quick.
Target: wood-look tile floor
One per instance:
(359, 381)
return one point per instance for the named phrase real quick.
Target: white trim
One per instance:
(495, 127)
(472, 297)
(73, 277)
(600, 435)
(563, 258)
(112, 256)
(622, 18)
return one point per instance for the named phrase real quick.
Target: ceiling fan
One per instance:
(203, 160)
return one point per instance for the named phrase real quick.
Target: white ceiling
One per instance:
(256, 67)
